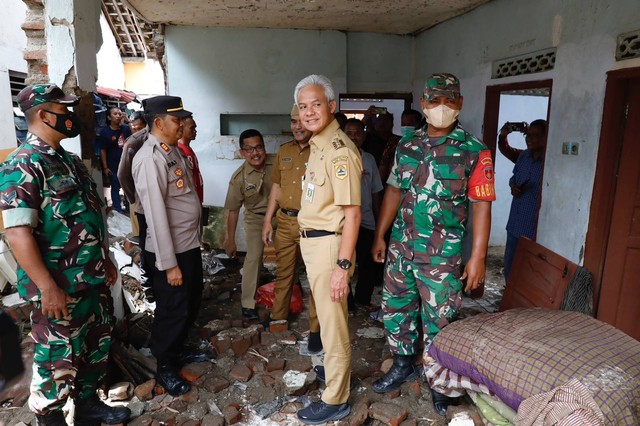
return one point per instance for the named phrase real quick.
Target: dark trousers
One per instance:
(176, 306)
(115, 194)
(369, 271)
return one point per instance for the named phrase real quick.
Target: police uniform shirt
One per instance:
(250, 187)
(166, 191)
(332, 180)
(291, 164)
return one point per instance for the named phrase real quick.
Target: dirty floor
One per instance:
(257, 377)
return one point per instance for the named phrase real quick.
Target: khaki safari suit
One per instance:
(332, 180)
(251, 187)
(291, 163)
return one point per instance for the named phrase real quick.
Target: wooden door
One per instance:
(619, 303)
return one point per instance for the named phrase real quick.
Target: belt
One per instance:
(312, 233)
(292, 213)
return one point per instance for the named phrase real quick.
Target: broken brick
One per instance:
(275, 364)
(241, 373)
(144, 391)
(390, 414)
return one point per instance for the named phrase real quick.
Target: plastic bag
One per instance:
(266, 294)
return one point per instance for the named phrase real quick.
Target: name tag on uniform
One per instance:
(308, 195)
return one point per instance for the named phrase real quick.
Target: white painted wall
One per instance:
(379, 63)
(110, 66)
(13, 41)
(584, 32)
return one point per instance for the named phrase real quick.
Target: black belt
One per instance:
(312, 233)
(292, 213)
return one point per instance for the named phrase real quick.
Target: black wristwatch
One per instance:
(344, 264)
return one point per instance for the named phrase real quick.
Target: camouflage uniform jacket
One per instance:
(437, 177)
(52, 192)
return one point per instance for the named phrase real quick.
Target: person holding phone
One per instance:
(525, 187)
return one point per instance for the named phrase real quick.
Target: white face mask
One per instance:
(441, 116)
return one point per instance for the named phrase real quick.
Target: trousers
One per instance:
(71, 354)
(320, 256)
(288, 257)
(176, 306)
(253, 258)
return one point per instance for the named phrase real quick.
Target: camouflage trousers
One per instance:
(415, 293)
(71, 354)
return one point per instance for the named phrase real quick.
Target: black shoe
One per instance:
(321, 412)
(52, 418)
(250, 314)
(402, 370)
(92, 411)
(441, 402)
(319, 370)
(169, 379)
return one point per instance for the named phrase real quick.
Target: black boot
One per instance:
(441, 402)
(92, 411)
(52, 418)
(402, 370)
(169, 379)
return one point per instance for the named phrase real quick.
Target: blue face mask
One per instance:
(407, 130)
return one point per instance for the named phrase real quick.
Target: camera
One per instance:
(517, 126)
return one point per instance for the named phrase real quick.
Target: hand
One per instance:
(339, 284)
(110, 271)
(474, 272)
(107, 171)
(267, 233)
(516, 190)
(54, 302)
(504, 131)
(379, 250)
(231, 249)
(174, 276)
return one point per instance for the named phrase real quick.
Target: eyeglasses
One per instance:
(250, 149)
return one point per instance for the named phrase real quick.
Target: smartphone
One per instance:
(517, 126)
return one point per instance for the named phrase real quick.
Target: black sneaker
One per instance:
(320, 412)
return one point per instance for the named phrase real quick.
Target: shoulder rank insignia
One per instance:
(338, 143)
(179, 172)
(165, 147)
(180, 183)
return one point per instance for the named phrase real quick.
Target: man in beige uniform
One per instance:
(164, 186)
(329, 222)
(249, 186)
(286, 190)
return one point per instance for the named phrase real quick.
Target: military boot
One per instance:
(168, 377)
(52, 418)
(441, 402)
(92, 411)
(402, 370)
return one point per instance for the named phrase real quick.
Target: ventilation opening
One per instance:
(628, 46)
(530, 63)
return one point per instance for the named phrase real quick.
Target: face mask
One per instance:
(407, 130)
(68, 124)
(441, 116)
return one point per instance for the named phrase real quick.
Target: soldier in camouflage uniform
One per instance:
(53, 215)
(438, 172)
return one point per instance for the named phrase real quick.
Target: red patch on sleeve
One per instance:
(481, 184)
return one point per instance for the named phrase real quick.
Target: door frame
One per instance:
(604, 185)
(492, 108)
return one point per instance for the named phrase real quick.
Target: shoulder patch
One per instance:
(340, 158)
(341, 170)
(337, 142)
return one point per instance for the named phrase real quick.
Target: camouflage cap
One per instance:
(37, 94)
(442, 84)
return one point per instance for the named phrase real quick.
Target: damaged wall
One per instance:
(12, 43)
(584, 33)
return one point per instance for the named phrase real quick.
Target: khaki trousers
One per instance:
(288, 257)
(253, 259)
(320, 256)
(135, 227)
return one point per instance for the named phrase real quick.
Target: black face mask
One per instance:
(68, 124)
